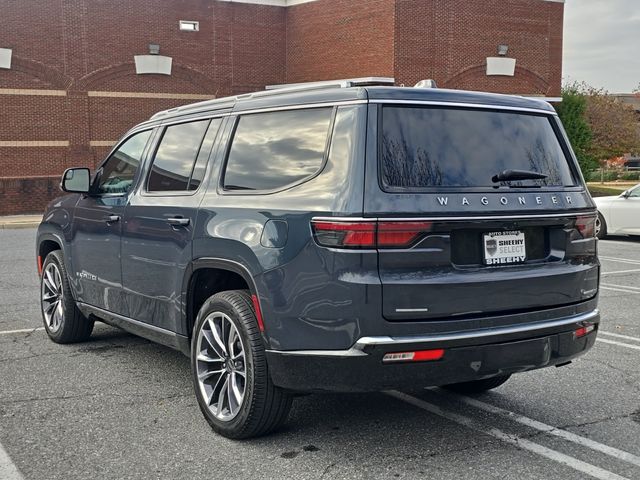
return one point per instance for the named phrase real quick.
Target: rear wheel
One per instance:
(63, 321)
(478, 386)
(601, 226)
(229, 368)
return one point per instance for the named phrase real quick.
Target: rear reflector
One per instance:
(368, 234)
(581, 332)
(256, 307)
(418, 356)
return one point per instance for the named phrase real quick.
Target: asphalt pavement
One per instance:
(120, 407)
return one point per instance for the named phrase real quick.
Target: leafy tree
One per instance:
(572, 112)
(614, 125)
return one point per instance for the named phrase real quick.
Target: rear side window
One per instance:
(276, 149)
(175, 157)
(422, 147)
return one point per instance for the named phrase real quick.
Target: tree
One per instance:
(572, 112)
(614, 125)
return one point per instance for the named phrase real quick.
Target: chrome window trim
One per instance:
(465, 105)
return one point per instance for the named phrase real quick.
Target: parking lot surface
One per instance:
(120, 407)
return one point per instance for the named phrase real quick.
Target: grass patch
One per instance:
(601, 191)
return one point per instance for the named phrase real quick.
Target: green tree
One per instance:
(572, 112)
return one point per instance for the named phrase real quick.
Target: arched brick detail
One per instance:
(42, 72)
(478, 72)
(93, 80)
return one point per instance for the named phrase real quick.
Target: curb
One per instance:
(19, 224)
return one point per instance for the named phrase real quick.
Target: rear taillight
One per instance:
(368, 234)
(586, 226)
(400, 234)
(345, 234)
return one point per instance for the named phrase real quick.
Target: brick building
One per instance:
(69, 85)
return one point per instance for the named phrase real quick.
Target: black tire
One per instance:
(264, 407)
(602, 233)
(72, 325)
(478, 386)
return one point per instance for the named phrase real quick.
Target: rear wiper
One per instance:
(508, 175)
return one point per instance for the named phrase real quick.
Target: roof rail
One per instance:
(228, 102)
(340, 83)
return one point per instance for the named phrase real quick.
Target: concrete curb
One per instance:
(30, 221)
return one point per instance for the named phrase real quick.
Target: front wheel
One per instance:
(478, 386)
(63, 321)
(229, 368)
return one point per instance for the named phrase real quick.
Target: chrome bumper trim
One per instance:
(358, 348)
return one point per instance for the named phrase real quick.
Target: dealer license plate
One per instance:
(504, 248)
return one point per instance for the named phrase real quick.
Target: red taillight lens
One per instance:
(586, 226)
(368, 234)
(582, 331)
(418, 356)
(345, 234)
(400, 234)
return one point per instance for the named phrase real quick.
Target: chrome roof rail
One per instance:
(340, 83)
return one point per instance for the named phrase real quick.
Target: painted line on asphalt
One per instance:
(22, 330)
(617, 289)
(516, 441)
(618, 335)
(549, 429)
(8, 470)
(620, 344)
(619, 272)
(621, 260)
(628, 287)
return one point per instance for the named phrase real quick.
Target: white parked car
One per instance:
(619, 215)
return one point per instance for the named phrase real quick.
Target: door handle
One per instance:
(112, 219)
(178, 221)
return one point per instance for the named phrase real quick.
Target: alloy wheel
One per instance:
(52, 297)
(221, 366)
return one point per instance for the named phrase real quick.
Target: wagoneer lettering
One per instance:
(342, 237)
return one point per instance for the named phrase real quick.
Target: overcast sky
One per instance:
(602, 43)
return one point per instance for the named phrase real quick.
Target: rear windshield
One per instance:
(424, 147)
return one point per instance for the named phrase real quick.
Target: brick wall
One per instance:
(72, 88)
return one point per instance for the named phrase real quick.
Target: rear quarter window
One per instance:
(433, 147)
(276, 149)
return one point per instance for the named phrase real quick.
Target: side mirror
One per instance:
(626, 194)
(76, 180)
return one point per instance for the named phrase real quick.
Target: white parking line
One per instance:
(621, 260)
(628, 287)
(543, 427)
(514, 440)
(8, 470)
(616, 289)
(22, 330)
(613, 342)
(620, 272)
(617, 335)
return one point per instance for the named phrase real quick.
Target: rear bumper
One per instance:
(468, 356)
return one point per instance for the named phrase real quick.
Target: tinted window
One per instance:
(120, 169)
(176, 156)
(440, 147)
(272, 150)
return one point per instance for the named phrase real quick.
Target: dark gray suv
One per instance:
(339, 237)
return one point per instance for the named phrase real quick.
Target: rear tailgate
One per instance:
(473, 245)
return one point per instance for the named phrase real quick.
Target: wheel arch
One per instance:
(217, 272)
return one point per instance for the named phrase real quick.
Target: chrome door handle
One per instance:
(178, 221)
(112, 219)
